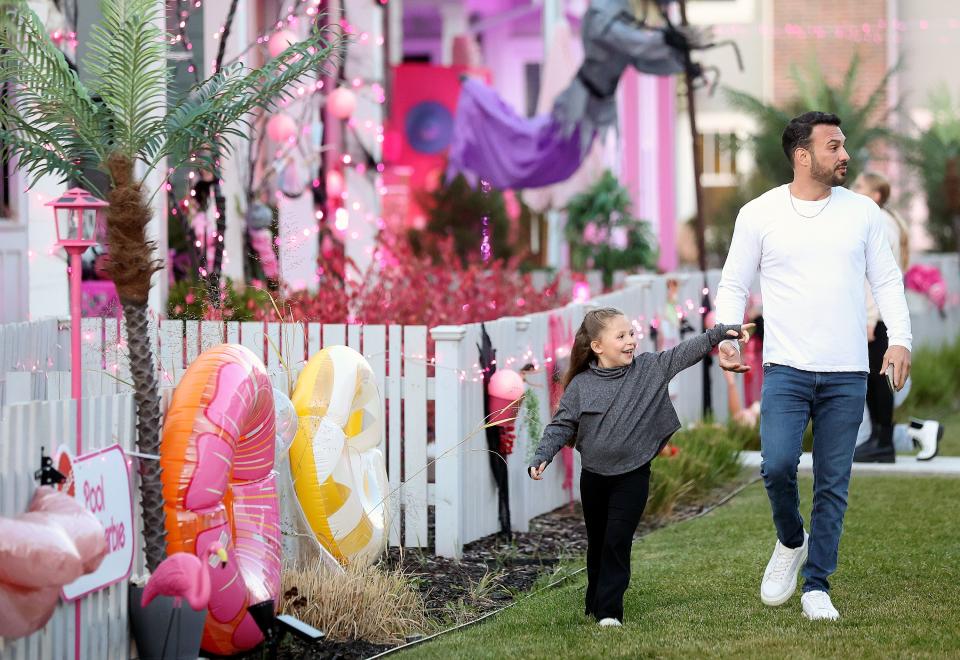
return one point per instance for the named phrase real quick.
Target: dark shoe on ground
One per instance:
(875, 450)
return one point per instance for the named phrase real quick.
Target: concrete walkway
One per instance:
(941, 465)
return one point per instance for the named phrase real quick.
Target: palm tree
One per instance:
(864, 125)
(55, 125)
(935, 156)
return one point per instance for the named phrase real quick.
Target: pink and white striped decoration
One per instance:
(648, 125)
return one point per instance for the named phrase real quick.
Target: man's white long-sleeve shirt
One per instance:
(811, 278)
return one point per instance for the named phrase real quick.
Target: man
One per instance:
(813, 243)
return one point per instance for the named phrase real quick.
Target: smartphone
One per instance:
(893, 390)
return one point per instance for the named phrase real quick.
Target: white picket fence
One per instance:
(36, 411)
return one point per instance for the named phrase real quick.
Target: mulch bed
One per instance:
(490, 574)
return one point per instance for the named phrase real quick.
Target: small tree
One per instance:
(603, 233)
(935, 156)
(456, 210)
(55, 125)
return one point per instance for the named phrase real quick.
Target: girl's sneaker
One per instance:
(610, 622)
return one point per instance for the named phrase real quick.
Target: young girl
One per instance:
(615, 407)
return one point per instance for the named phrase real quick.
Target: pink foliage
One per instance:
(927, 280)
(403, 288)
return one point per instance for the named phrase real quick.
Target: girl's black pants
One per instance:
(612, 506)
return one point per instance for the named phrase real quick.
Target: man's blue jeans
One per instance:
(835, 402)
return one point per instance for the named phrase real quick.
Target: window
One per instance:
(719, 152)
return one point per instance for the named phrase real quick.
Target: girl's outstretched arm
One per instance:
(686, 354)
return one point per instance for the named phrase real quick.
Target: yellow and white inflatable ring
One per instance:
(338, 472)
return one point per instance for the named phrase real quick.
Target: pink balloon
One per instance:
(280, 41)
(506, 384)
(341, 103)
(335, 183)
(281, 127)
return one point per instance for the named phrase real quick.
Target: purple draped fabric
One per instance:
(492, 142)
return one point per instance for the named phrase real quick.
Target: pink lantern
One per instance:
(280, 41)
(506, 384)
(505, 388)
(503, 395)
(335, 183)
(281, 127)
(341, 103)
(78, 214)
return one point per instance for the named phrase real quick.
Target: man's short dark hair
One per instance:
(797, 133)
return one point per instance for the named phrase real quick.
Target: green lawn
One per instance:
(695, 589)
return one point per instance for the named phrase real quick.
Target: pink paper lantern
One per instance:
(503, 395)
(281, 127)
(335, 183)
(341, 103)
(280, 41)
(506, 384)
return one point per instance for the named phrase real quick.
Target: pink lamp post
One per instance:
(77, 214)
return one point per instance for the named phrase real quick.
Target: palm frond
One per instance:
(202, 126)
(849, 83)
(46, 95)
(128, 61)
(38, 161)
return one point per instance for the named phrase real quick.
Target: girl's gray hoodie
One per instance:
(622, 416)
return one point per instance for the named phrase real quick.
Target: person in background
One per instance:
(879, 446)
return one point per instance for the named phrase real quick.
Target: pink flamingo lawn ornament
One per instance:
(184, 576)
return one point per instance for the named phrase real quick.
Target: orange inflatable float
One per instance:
(217, 456)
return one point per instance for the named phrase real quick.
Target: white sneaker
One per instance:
(780, 577)
(926, 434)
(610, 622)
(818, 607)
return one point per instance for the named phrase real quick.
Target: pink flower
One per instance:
(619, 238)
(592, 234)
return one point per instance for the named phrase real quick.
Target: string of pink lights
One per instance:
(876, 32)
(283, 130)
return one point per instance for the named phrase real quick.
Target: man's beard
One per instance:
(826, 176)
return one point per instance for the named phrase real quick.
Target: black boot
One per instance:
(878, 449)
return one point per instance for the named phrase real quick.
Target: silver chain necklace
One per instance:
(808, 217)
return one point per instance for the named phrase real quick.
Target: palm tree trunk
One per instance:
(147, 398)
(131, 266)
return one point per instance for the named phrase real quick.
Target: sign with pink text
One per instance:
(101, 482)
